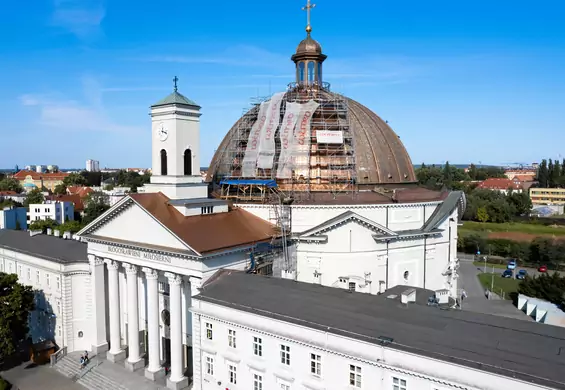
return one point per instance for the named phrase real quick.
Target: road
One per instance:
(466, 258)
(476, 300)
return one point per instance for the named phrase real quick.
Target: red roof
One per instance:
(531, 177)
(500, 184)
(8, 193)
(21, 175)
(74, 199)
(79, 190)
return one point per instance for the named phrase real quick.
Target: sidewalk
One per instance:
(28, 376)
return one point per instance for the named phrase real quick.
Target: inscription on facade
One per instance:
(139, 254)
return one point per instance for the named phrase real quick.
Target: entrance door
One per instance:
(166, 351)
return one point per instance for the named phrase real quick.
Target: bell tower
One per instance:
(175, 147)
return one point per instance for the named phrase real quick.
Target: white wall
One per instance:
(378, 365)
(58, 211)
(62, 292)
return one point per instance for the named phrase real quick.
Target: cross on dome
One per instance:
(308, 8)
(175, 80)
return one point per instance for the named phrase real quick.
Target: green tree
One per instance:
(521, 202)
(548, 287)
(16, 302)
(34, 197)
(96, 204)
(482, 214)
(10, 184)
(70, 226)
(74, 179)
(60, 189)
(555, 175)
(93, 179)
(543, 174)
(43, 225)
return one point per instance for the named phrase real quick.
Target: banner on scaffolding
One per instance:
(329, 137)
(286, 136)
(298, 153)
(267, 138)
(249, 164)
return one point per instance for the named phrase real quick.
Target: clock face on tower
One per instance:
(162, 132)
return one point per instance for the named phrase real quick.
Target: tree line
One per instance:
(551, 174)
(482, 205)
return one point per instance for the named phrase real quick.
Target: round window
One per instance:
(406, 274)
(80, 334)
(166, 317)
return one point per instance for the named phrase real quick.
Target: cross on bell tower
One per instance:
(308, 8)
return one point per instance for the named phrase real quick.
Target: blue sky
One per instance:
(463, 81)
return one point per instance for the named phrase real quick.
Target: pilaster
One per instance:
(97, 284)
(176, 380)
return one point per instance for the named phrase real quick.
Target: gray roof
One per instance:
(443, 211)
(43, 246)
(176, 98)
(524, 350)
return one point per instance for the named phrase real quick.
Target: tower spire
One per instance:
(175, 80)
(308, 8)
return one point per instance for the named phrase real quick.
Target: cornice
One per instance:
(346, 206)
(369, 362)
(141, 248)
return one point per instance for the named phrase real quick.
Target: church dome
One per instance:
(310, 139)
(309, 46)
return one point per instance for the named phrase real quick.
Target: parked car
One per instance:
(511, 264)
(542, 268)
(507, 273)
(521, 274)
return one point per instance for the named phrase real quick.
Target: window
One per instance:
(301, 72)
(187, 162)
(163, 162)
(398, 384)
(207, 210)
(351, 286)
(355, 376)
(310, 72)
(210, 365)
(29, 274)
(59, 331)
(257, 346)
(257, 382)
(315, 364)
(232, 370)
(58, 307)
(37, 276)
(10, 267)
(319, 72)
(284, 386)
(285, 354)
(231, 338)
(58, 283)
(209, 333)
(48, 279)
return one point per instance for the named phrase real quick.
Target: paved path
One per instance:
(476, 300)
(31, 377)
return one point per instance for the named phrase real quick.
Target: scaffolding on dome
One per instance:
(323, 165)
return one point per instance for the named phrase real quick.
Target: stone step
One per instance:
(94, 380)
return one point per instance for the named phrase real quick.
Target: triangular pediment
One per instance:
(343, 219)
(128, 222)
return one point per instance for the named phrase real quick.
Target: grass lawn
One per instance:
(501, 285)
(471, 226)
(481, 265)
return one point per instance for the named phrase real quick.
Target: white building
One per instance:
(92, 166)
(58, 211)
(151, 251)
(58, 270)
(254, 332)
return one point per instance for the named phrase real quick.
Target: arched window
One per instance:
(319, 72)
(163, 162)
(301, 72)
(188, 162)
(310, 72)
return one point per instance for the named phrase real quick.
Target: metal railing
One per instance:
(92, 364)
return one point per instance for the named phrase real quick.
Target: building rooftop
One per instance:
(43, 246)
(519, 349)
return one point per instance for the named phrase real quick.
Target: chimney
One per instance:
(66, 235)
(49, 231)
(56, 233)
(408, 296)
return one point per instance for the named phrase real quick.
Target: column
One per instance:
(134, 361)
(116, 354)
(154, 370)
(99, 341)
(176, 380)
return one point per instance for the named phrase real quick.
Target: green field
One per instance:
(502, 286)
(529, 228)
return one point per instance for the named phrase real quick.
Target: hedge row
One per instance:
(540, 251)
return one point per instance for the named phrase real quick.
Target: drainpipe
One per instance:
(386, 276)
(425, 259)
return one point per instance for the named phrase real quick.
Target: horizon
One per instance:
(470, 82)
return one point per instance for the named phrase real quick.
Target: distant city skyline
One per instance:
(472, 82)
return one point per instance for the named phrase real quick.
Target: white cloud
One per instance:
(56, 112)
(81, 17)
